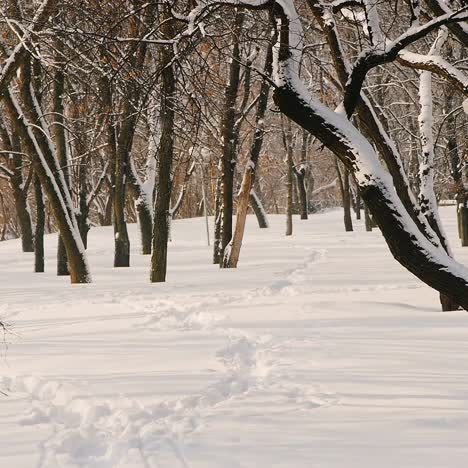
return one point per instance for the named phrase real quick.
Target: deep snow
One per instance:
(318, 351)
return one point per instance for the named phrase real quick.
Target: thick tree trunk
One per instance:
(145, 226)
(40, 226)
(166, 155)
(425, 260)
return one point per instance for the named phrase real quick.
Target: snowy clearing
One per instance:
(318, 351)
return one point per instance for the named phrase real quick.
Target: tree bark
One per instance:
(258, 209)
(229, 139)
(17, 184)
(31, 128)
(166, 155)
(58, 135)
(246, 192)
(40, 226)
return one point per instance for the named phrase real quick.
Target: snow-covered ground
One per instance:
(319, 351)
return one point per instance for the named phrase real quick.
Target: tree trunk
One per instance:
(217, 226)
(301, 174)
(343, 182)
(301, 187)
(31, 128)
(289, 194)
(348, 220)
(16, 181)
(287, 143)
(358, 205)
(58, 135)
(166, 155)
(40, 226)
(258, 209)
(246, 192)
(463, 225)
(415, 252)
(368, 219)
(242, 208)
(121, 239)
(229, 139)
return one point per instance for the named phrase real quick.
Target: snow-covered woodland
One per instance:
(223, 217)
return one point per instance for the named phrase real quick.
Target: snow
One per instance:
(318, 351)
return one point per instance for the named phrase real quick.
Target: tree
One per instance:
(408, 234)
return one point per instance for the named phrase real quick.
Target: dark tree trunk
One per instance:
(463, 225)
(40, 226)
(124, 144)
(62, 261)
(288, 148)
(143, 211)
(357, 207)
(348, 220)
(83, 216)
(229, 139)
(289, 193)
(413, 254)
(343, 182)
(58, 134)
(368, 219)
(166, 155)
(18, 186)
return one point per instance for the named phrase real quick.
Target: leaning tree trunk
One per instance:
(32, 129)
(166, 155)
(407, 243)
(258, 209)
(246, 192)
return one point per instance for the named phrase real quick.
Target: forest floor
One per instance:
(319, 351)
